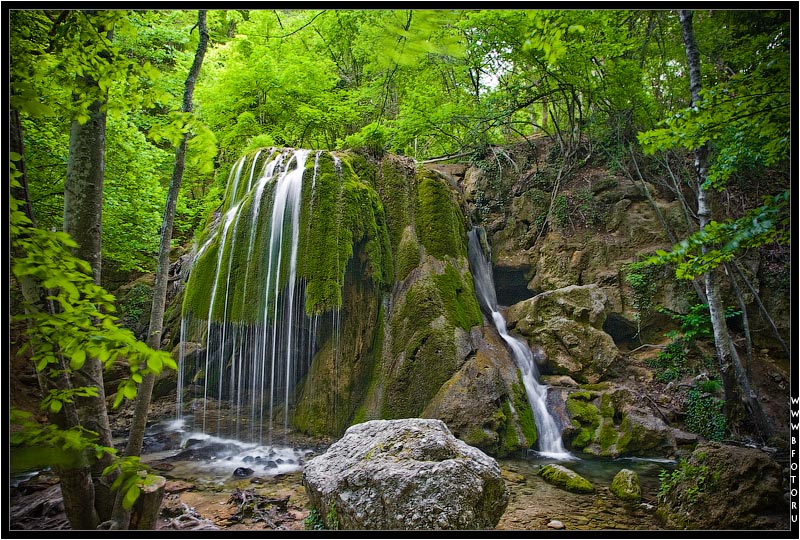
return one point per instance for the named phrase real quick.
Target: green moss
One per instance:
(524, 412)
(584, 396)
(584, 416)
(607, 436)
(477, 437)
(509, 439)
(396, 187)
(583, 413)
(606, 406)
(439, 221)
(340, 216)
(408, 254)
(458, 295)
(564, 478)
(428, 363)
(595, 387)
(625, 486)
(583, 438)
(625, 434)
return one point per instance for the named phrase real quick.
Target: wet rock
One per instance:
(471, 401)
(727, 487)
(625, 485)
(567, 324)
(271, 465)
(405, 474)
(567, 479)
(242, 472)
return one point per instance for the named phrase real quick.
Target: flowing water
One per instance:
(255, 341)
(549, 435)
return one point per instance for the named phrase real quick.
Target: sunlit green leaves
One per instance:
(35, 446)
(133, 476)
(719, 242)
(83, 327)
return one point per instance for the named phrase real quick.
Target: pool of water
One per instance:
(534, 504)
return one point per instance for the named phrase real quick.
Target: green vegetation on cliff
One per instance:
(439, 222)
(341, 214)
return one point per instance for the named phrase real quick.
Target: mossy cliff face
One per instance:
(338, 212)
(387, 297)
(339, 374)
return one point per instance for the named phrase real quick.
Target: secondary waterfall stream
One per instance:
(549, 436)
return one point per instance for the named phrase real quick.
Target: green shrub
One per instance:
(705, 416)
(672, 362)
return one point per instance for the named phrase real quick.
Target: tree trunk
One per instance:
(83, 206)
(136, 434)
(740, 399)
(76, 483)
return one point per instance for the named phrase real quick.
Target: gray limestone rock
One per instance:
(405, 474)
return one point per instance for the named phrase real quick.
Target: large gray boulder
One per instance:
(405, 474)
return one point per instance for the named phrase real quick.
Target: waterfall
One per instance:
(253, 341)
(549, 436)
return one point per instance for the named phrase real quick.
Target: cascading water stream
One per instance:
(549, 435)
(254, 338)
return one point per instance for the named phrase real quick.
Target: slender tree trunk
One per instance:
(83, 206)
(738, 393)
(136, 434)
(76, 482)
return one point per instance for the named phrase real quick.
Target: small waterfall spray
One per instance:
(549, 436)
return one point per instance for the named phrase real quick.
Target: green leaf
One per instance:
(77, 360)
(154, 363)
(55, 406)
(130, 497)
(129, 390)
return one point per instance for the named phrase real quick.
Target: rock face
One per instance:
(725, 487)
(612, 422)
(625, 485)
(405, 474)
(484, 404)
(567, 324)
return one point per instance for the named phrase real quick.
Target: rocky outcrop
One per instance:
(610, 420)
(625, 485)
(725, 487)
(565, 478)
(484, 403)
(405, 474)
(567, 325)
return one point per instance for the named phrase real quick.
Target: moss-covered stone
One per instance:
(340, 213)
(584, 416)
(458, 295)
(560, 476)
(408, 254)
(439, 221)
(527, 423)
(625, 486)
(344, 367)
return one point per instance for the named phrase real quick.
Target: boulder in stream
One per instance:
(723, 486)
(405, 474)
(625, 485)
(567, 479)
